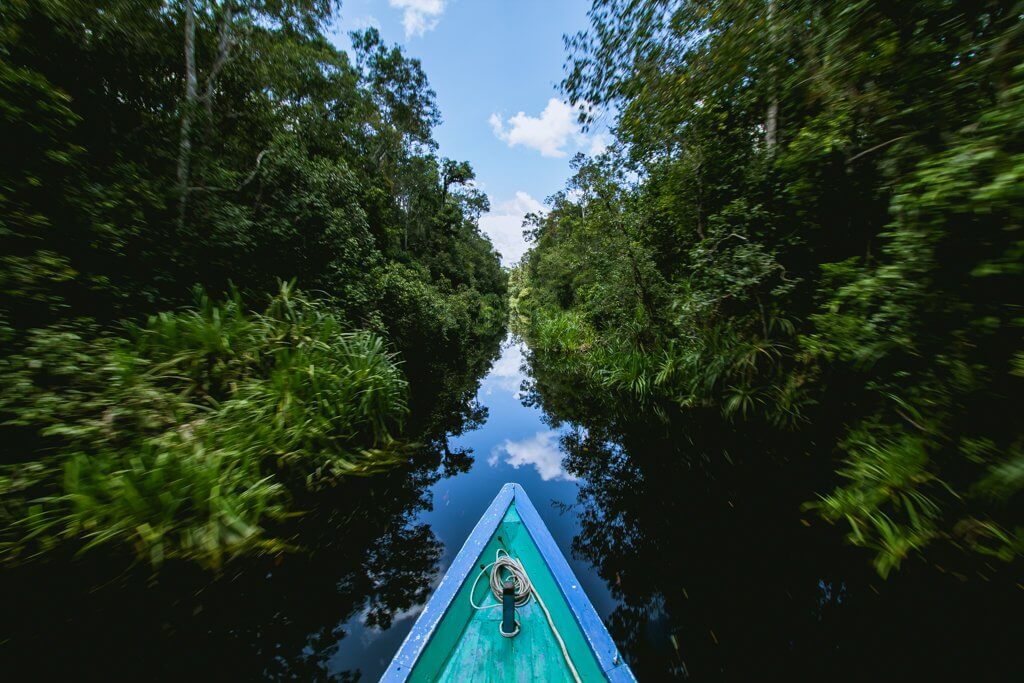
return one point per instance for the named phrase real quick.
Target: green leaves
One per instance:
(181, 433)
(891, 500)
(812, 217)
(182, 438)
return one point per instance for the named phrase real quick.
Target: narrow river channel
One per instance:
(515, 444)
(687, 533)
(690, 539)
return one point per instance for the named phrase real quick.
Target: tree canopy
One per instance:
(218, 219)
(811, 214)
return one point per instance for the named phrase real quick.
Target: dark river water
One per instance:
(688, 537)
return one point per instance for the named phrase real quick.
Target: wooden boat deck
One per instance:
(452, 641)
(480, 654)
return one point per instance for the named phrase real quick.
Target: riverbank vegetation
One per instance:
(811, 215)
(235, 272)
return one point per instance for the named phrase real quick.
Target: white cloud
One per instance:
(548, 133)
(504, 225)
(598, 144)
(551, 133)
(574, 195)
(419, 16)
(373, 632)
(506, 373)
(540, 450)
(365, 22)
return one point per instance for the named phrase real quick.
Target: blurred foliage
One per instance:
(682, 513)
(361, 566)
(181, 436)
(229, 146)
(811, 214)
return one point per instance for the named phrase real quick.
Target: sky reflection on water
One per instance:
(515, 444)
(689, 538)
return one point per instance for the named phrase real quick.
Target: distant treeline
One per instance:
(812, 212)
(228, 251)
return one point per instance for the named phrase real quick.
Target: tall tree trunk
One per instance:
(771, 123)
(223, 53)
(187, 112)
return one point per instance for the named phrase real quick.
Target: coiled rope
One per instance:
(503, 562)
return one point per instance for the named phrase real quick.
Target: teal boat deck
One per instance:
(533, 655)
(453, 641)
(469, 646)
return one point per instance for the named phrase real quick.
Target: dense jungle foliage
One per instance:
(696, 525)
(235, 273)
(811, 216)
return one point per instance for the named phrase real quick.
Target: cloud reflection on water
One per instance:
(506, 374)
(540, 450)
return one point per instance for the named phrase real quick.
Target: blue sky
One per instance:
(495, 65)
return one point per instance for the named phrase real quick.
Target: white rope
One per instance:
(520, 579)
(523, 590)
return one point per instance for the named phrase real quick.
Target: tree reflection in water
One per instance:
(696, 526)
(361, 557)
